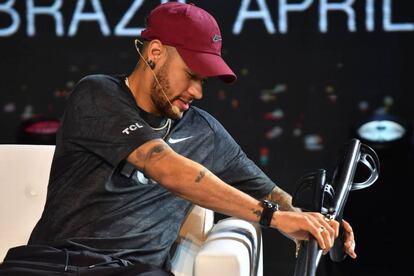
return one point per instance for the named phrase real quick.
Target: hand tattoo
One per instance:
(282, 198)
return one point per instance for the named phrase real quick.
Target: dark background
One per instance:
(299, 96)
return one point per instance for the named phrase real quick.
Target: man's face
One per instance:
(180, 85)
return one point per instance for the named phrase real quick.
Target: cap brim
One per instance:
(207, 65)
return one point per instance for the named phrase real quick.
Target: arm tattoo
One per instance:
(282, 198)
(155, 150)
(201, 175)
(258, 213)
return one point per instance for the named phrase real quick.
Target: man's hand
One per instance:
(299, 225)
(349, 245)
(309, 224)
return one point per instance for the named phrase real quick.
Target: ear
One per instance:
(156, 50)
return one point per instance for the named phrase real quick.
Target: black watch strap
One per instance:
(268, 209)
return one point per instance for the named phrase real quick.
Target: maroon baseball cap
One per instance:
(194, 33)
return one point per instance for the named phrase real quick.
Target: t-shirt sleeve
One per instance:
(233, 166)
(101, 118)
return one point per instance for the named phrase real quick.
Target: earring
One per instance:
(151, 64)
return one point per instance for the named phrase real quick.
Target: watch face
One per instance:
(381, 131)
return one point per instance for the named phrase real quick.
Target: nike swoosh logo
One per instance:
(175, 141)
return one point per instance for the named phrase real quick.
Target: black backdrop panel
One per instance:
(308, 72)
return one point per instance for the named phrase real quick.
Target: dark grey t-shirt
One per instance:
(99, 202)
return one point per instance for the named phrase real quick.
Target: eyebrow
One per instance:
(191, 73)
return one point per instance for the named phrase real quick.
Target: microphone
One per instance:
(174, 109)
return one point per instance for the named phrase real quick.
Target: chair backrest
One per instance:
(24, 174)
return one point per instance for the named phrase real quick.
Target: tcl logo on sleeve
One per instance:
(132, 127)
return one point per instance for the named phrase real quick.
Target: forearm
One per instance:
(203, 188)
(282, 198)
(194, 182)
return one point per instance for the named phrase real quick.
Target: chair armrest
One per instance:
(193, 233)
(233, 248)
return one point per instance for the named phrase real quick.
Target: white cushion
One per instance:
(24, 174)
(192, 235)
(231, 249)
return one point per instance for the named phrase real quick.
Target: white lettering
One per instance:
(132, 128)
(370, 16)
(262, 13)
(388, 25)
(143, 180)
(14, 26)
(284, 8)
(345, 6)
(248, 10)
(121, 29)
(53, 10)
(98, 15)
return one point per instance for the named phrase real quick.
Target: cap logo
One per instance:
(217, 38)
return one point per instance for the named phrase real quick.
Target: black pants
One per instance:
(44, 260)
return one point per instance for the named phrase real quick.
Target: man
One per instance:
(132, 156)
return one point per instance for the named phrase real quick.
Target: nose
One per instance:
(196, 89)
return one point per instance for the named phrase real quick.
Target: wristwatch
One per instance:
(268, 209)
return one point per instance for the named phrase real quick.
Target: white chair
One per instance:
(24, 174)
(232, 247)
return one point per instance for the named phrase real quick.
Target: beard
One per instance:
(158, 97)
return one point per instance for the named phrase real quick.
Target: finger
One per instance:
(325, 230)
(316, 232)
(335, 225)
(347, 226)
(332, 228)
(331, 222)
(350, 249)
(328, 235)
(328, 241)
(349, 234)
(349, 239)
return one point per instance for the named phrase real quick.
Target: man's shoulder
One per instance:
(100, 79)
(97, 90)
(213, 123)
(196, 111)
(96, 85)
